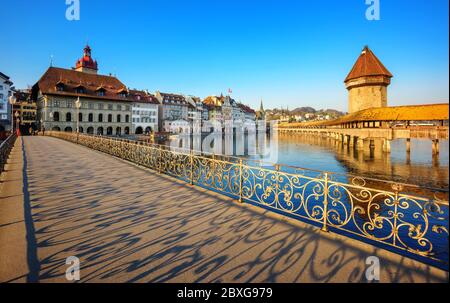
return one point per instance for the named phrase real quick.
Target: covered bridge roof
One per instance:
(426, 112)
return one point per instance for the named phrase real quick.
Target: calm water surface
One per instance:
(325, 154)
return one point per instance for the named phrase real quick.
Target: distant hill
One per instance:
(303, 110)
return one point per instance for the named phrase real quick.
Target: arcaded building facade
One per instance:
(98, 104)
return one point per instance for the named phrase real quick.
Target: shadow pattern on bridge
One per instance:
(128, 224)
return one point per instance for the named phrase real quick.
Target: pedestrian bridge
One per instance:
(128, 223)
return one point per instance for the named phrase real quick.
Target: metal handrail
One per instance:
(412, 224)
(5, 149)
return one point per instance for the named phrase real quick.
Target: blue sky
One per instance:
(289, 53)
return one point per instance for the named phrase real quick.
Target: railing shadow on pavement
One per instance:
(403, 218)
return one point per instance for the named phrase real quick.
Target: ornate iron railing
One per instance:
(407, 219)
(5, 149)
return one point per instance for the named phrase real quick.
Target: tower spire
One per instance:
(86, 63)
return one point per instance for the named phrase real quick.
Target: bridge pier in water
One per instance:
(435, 147)
(386, 145)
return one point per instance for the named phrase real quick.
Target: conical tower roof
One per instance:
(367, 65)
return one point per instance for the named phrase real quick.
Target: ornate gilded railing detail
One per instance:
(402, 216)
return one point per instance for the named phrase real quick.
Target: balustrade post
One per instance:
(277, 177)
(192, 167)
(397, 188)
(159, 160)
(240, 180)
(213, 169)
(325, 203)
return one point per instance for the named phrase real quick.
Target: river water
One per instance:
(420, 167)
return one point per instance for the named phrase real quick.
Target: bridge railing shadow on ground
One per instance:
(406, 219)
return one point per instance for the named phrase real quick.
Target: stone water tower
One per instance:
(367, 83)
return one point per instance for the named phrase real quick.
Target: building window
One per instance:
(119, 118)
(80, 90)
(101, 93)
(91, 105)
(110, 118)
(127, 108)
(68, 117)
(127, 118)
(100, 106)
(80, 117)
(69, 104)
(55, 103)
(110, 106)
(119, 107)
(91, 117)
(56, 116)
(100, 117)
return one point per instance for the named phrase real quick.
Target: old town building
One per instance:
(249, 113)
(144, 108)
(173, 107)
(224, 108)
(24, 112)
(367, 83)
(5, 112)
(99, 104)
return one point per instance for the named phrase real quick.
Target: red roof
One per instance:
(143, 97)
(246, 108)
(71, 79)
(367, 65)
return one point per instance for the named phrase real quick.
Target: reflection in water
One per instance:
(420, 167)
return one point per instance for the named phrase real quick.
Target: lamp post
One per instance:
(17, 120)
(78, 105)
(12, 101)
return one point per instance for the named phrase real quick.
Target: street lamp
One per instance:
(78, 105)
(12, 101)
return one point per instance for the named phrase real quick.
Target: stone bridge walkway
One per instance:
(129, 224)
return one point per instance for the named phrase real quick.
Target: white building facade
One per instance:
(5, 110)
(145, 112)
